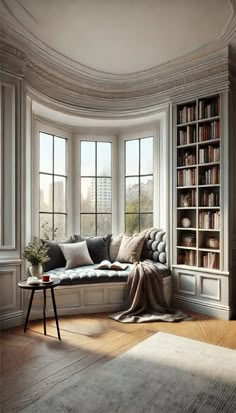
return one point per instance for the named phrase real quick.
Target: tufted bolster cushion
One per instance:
(154, 247)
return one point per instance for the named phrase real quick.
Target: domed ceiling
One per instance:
(122, 36)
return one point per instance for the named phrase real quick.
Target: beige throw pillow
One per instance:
(76, 254)
(114, 247)
(130, 248)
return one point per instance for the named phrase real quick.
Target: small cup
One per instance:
(45, 278)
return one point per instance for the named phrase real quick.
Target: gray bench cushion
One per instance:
(89, 275)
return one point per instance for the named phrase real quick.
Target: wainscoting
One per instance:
(81, 299)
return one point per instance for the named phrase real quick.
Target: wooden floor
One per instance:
(34, 366)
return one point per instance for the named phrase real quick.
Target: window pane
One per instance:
(132, 157)
(88, 194)
(131, 223)
(146, 194)
(45, 192)
(87, 225)
(103, 159)
(45, 164)
(59, 227)
(59, 156)
(146, 156)
(87, 158)
(59, 194)
(46, 226)
(103, 224)
(132, 195)
(146, 221)
(104, 195)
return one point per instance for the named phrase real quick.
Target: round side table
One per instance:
(41, 286)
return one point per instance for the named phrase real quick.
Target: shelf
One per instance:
(209, 250)
(191, 123)
(186, 166)
(209, 185)
(186, 187)
(186, 229)
(207, 120)
(208, 164)
(182, 247)
(208, 207)
(208, 142)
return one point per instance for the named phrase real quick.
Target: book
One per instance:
(105, 264)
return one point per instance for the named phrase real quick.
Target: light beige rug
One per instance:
(164, 373)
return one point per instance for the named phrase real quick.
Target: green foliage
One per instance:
(36, 253)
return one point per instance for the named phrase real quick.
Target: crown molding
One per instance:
(73, 85)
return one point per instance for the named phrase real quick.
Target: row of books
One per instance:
(210, 176)
(209, 154)
(186, 177)
(187, 135)
(187, 199)
(187, 257)
(209, 108)
(209, 131)
(210, 260)
(187, 114)
(208, 198)
(209, 220)
(186, 158)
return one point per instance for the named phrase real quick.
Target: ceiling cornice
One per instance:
(72, 84)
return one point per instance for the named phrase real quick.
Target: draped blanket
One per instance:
(145, 297)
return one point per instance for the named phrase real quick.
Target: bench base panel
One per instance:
(89, 298)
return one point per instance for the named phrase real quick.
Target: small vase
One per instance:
(36, 270)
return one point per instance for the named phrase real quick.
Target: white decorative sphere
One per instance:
(186, 222)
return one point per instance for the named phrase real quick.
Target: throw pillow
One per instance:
(56, 258)
(114, 247)
(130, 248)
(76, 254)
(98, 247)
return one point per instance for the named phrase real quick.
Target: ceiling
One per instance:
(122, 36)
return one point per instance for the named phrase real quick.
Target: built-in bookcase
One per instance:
(198, 171)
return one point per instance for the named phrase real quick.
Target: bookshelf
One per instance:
(198, 184)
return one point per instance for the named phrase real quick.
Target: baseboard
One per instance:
(12, 320)
(222, 312)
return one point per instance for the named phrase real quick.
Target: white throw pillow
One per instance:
(76, 254)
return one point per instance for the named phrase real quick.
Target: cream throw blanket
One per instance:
(145, 297)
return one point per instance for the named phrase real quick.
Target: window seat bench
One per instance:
(88, 290)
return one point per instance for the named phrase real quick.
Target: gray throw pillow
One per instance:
(76, 254)
(130, 248)
(56, 257)
(114, 247)
(98, 247)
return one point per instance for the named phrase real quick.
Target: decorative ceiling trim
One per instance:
(77, 86)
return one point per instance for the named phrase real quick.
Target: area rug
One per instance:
(164, 373)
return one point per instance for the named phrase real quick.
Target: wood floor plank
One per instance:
(34, 366)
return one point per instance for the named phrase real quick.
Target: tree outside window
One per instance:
(138, 184)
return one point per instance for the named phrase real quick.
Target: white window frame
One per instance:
(134, 135)
(51, 129)
(95, 137)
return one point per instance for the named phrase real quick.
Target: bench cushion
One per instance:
(89, 275)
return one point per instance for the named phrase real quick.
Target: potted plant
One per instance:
(36, 254)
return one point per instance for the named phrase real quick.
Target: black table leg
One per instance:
(55, 312)
(29, 308)
(44, 311)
